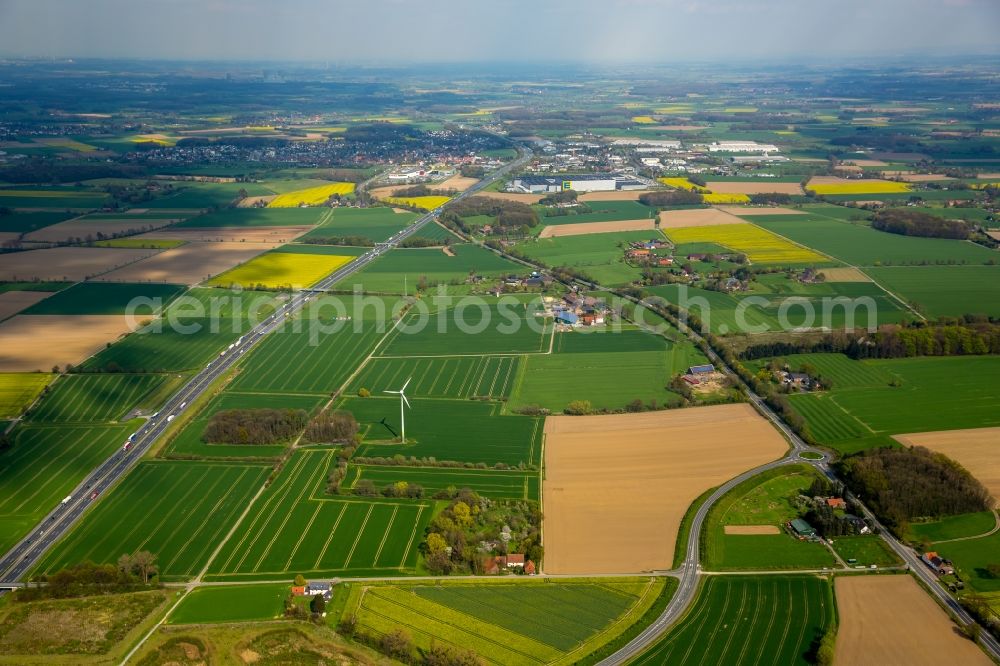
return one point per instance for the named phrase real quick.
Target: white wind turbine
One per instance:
(402, 414)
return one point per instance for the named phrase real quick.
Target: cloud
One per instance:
(589, 31)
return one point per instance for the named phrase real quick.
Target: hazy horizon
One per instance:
(590, 32)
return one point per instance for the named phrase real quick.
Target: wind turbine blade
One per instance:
(403, 396)
(406, 384)
(393, 392)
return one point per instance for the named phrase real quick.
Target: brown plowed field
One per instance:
(617, 195)
(72, 229)
(616, 487)
(189, 264)
(751, 530)
(37, 342)
(70, 264)
(460, 183)
(891, 620)
(556, 230)
(275, 235)
(759, 210)
(12, 302)
(844, 274)
(763, 187)
(697, 217)
(974, 449)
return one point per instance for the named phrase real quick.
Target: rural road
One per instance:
(20, 559)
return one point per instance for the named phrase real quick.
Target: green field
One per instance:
(239, 603)
(389, 273)
(442, 376)
(867, 550)
(939, 291)
(258, 217)
(935, 393)
(601, 256)
(500, 484)
(95, 397)
(375, 224)
(464, 431)
(23, 223)
(971, 558)
(749, 620)
(631, 364)
(601, 211)
(188, 442)
(954, 527)
(534, 622)
(823, 306)
(57, 198)
(177, 510)
(507, 327)
(205, 195)
(308, 360)
(762, 500)
(19, 389)
(42, 466)
(859, 245)
(107, 298)
(295, 528)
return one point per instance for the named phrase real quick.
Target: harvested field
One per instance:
(891, 620)
(387, 190)
(916, 177)
(617, 195)
(988, 175)
(697, 217)
(995, 235)
(582, 228)
(188, 264)
(974, 449)
(723, 187)
(77, 228)
(513, 196)
(636, 499)
(751, 529)
(274, 235)
(760, 210)
(12, 302)
(867, 163)
(459, 183)
(253, 202)
(66, 264)
(845, 274)
(38, 342)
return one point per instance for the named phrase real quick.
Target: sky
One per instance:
(421, 31)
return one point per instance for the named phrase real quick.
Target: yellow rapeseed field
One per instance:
(310, 196)
(280, 269)
(681, 184)
(720, 198)
(426, 203)
(863, 186)
(644, 120)
(760, 245)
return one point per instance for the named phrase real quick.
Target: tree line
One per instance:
(254, 426)
(906, 484)
(916, 223)
(508, 215)
(131, 573)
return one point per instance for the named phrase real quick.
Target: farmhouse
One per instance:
(836, 503)
(564, 317)
(696, 370)
(941, 566)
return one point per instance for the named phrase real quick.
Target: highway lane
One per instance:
(20, 559)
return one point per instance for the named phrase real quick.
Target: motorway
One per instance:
(20, 559)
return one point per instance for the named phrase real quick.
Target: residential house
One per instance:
(836, 503)
(940, 565)
(315, 587)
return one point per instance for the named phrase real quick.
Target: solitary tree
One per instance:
(318, 604)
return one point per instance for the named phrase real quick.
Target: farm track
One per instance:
(28, 552)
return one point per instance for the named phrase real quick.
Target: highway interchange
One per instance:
(17, 562)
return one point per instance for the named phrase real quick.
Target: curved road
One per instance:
(20, 559)
(690, 569)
